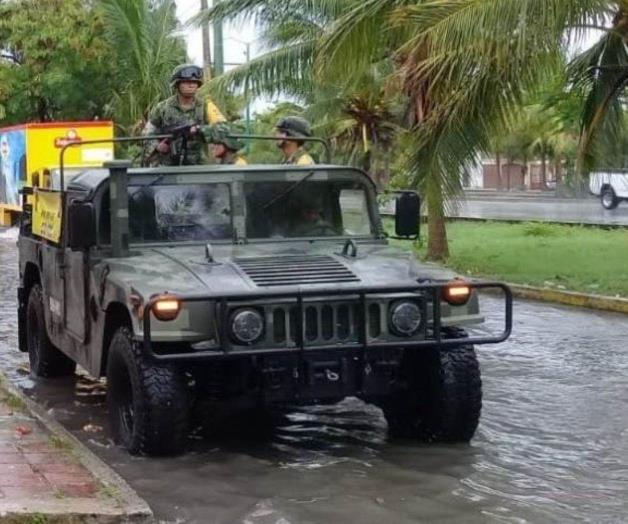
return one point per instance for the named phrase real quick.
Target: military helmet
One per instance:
(219, 134)
(186, 73)
(295, 126)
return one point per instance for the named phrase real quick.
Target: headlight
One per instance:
(405, 318)
(247, 325)
(166, 308)
(456, 293)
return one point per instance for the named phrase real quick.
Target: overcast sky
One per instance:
(234, 51)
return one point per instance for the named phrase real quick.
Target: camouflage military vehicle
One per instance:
(244, 286)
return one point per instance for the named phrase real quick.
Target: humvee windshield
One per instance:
(176, 213)
(311, 208)
(161, 211)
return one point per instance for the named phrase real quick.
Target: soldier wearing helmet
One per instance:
(224, 148)
(289, 132)
(183, 108)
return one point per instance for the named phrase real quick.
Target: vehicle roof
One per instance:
(90, 179)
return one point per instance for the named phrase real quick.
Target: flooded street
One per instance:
(552, 445)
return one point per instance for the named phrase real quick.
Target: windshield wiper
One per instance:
(287, 191)
(151, 183)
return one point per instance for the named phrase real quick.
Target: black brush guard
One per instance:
(429, 292)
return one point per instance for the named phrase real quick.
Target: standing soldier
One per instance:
(183, 108)
(289, 131)
(224, 148)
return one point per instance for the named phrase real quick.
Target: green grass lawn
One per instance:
(574, 258)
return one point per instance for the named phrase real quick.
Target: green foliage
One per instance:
(51, 70)
(76, 60)
(539, 229)
(141, 34)
(576, 258)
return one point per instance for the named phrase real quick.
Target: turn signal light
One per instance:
(456, 293)
(166, 309)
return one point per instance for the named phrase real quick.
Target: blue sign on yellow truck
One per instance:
(29, 156)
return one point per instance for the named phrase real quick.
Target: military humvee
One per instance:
(244, 286)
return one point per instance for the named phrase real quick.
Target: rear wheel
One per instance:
(148, 402)
(45, 359)
(609, 199)
(442, 399)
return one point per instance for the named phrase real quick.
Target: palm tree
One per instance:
(142, 34)
(462, 65)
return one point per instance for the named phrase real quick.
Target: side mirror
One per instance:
(407, 215)
(81, 226)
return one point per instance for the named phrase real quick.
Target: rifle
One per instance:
(178, 140)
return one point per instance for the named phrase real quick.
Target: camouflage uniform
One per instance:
(300, 158)
(167, 114)
(220, 134)
(233, 159)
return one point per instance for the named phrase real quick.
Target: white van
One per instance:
(610, 186)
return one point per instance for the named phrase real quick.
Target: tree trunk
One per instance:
(498, 163)
(543, 170)
(437, 246)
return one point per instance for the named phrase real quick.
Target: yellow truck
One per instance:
(29, 156)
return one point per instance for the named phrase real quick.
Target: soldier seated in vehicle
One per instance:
(289, 132)
(224, 148)
(307, 217)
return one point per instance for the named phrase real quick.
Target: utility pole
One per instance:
(248, 100)
(207, 52)
(219, 58)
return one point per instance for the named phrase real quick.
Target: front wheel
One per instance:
(442, 397)
(609, 199)
(148, 402)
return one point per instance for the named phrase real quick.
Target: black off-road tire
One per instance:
(443, 398)
(609, 198)
(45, 359)
(148, 402)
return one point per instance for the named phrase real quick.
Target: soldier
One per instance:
(289, 130)
(224, 148)
(184, 107)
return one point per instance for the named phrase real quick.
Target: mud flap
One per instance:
(21, 319)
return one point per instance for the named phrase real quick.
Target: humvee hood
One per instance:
(262, 267)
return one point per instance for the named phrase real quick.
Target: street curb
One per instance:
(571, 298)
(132, 508)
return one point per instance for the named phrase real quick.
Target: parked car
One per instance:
(610, 186)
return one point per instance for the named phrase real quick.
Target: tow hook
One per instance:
(331, 375)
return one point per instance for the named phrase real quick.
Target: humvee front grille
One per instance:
(295, 270)
(323, 323)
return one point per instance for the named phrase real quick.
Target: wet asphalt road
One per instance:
(552, 445)
(585, 211)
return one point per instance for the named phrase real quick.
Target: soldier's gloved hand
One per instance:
(163, 147)
(194, 130)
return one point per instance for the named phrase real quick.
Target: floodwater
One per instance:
(552, 445)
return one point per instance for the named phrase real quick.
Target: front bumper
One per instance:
(431, 293)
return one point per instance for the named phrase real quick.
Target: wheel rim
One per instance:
(607, 199)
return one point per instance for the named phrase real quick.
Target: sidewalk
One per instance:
(43, 477)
